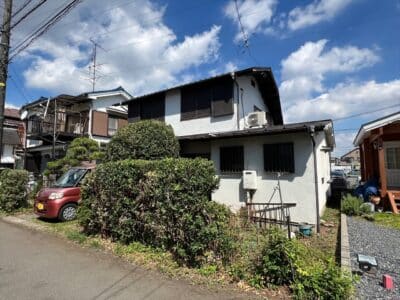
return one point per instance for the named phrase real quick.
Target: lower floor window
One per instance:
(231, 159)
(279, 157)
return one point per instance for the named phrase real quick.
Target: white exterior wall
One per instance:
(298, 187)
(7, 156)
(101, 103)
(324, 175)
(251, 97)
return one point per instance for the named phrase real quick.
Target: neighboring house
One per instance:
(53, 123)
(379, 143)
(236, 121)
(13, 139)
(352, 157)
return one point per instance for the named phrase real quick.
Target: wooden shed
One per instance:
(379, 143)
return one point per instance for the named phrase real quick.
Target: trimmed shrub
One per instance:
(81, 149)
(351, 205)
(13, 189)
(162, 203)
(146, 139)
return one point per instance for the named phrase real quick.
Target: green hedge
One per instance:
(162, 203)
(146, 139)
(13, 189)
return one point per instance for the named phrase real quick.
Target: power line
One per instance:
(28, 13)
(365, 113)
(29, 40)
(22, 7)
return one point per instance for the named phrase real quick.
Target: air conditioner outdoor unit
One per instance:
(256, 119)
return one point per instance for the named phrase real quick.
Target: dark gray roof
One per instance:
(268, 130)
(265, 80)
(11, 137)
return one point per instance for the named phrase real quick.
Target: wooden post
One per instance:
(362, 162)
(382, 169)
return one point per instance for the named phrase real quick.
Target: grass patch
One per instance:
(387, 220)
(76, 236)
(325, 244)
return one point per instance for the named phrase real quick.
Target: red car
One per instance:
(61, 200)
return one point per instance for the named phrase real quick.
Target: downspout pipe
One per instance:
(238, 100)
(311, 131)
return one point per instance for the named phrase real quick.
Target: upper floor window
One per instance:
(112, 125)
(232, 159)
(152, 107)
(205, 99)
(279, 157)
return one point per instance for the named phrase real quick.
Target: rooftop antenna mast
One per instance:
(93, 68)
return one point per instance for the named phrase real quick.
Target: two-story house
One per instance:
(52, 123)
(13, 139)
(235, 120)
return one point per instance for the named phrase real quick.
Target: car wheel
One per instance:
(68, 212)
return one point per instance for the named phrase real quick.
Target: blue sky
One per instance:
(330, 58)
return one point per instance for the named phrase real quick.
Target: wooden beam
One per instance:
(382, 169)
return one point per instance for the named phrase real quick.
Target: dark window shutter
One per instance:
(279, 157)
(232, 159)
(188, 104)
(153, 107)
(222, 100)
(203, 101)
(134, 111)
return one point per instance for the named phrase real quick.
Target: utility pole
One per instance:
(4, 49)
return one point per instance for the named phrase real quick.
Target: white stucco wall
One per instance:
(298, 187)
(323, 171)
(7, 157)
(251, 97)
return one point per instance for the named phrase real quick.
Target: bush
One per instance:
(351, 205)
(162, 203)
(322, 281)
(146, 139)
(13, 189)
(275, 266)
(81, 149)
(288, 262)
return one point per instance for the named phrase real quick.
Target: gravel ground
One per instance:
(384, 244)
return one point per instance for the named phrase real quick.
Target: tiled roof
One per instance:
(11, 113)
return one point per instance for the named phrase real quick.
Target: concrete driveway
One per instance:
(35, 265)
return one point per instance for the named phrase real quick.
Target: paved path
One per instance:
(35, 265)
(384, 244)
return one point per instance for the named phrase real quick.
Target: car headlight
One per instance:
(56, 195)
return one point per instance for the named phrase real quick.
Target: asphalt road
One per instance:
(35, 265)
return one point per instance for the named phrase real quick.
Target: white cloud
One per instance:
(315, 12)
(306, 96)
(303, 71)
(143, 53)
(255, 15)
(9, 105)
(347, 99)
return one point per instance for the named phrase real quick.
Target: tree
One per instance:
(81, 149)
(147, 139)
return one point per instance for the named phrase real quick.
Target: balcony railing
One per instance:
(40, 127)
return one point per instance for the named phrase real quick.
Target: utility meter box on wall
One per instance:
(249, 180)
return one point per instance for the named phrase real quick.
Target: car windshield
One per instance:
(70, 178)
(355, 172)
(337, 173)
